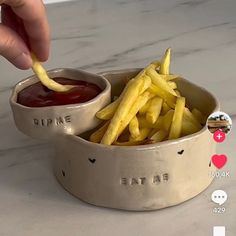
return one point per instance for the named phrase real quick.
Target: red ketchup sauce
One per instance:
(37, 95)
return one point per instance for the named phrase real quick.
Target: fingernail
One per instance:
(23, 61)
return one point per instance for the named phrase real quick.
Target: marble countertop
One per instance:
(98, 35)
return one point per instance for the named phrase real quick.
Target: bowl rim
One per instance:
(68, 106)
(147, 146)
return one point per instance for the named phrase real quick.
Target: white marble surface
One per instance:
(99, 35)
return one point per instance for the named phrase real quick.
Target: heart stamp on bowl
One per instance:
(219, 160)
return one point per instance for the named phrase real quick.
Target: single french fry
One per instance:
(143, 123)
(134, 127)
(143, 135)
(169, 77)
(190, 117)
(188, 127)
(169, 98)
(165, 108)
(159, 136)
(176, 126)
(154, 110)
(158, 123)
(96, 137)
(159, 81)
(178, 93)
(45, 80)
(199, 116)
(167, 120)
(172, 84)
(144, 108)
(165, 63)
(107, 112)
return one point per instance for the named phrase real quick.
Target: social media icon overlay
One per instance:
(219, 231)
(219, 136)
(219, 197)
(219, 160)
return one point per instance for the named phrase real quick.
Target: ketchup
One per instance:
(37, 95)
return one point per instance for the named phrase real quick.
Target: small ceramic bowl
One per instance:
(139, 178)
(47, 122)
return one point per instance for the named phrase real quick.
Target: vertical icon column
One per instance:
(219, 124)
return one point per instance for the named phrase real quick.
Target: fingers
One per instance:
(13, 48)
(33, 14)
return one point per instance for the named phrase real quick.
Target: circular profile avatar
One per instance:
(219, 121)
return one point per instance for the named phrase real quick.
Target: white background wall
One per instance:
(53, 1)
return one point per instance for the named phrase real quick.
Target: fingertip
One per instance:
(22, 61)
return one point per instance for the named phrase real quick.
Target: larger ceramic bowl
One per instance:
(139, 178)
(48, 122)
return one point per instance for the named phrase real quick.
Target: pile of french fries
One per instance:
(150, 109)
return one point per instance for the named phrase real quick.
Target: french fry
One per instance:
(178, 93)
(158, 123)
(107, 112)
(143, 135)
(199, 116)
(45, 80)
(144, 108)
(190, 117)
(169, 98)
(165, 63)
(165, 108)
(159, 81)
(176, 126)
(134, 127)
(167, 120)
(159, 136)
(169, 77)
(143, 123)
(172, 84)
(96, 137)
(154, 109)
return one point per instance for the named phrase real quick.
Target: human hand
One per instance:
(24, 28)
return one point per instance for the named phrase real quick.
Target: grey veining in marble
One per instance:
(99, 35)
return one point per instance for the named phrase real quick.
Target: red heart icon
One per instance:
(219, 160)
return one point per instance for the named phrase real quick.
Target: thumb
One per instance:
(13, 48)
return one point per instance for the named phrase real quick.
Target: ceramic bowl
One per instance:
(48, 122)
(139, 178)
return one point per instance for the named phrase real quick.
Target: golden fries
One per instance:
(175, 129)
(45, 80)
(150, 109)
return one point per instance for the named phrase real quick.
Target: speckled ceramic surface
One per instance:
(46, 122)
(139, 178)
